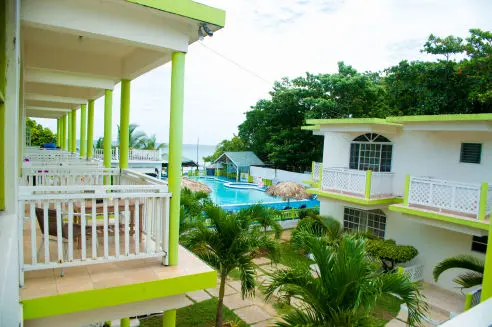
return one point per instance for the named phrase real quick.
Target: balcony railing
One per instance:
(133, 154)
(316, 171)
(44, 157)
(72, 218)
(472, 200)
(366, 184)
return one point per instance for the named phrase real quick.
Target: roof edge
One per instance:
(439, 118)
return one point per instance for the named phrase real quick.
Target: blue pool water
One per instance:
(236, 198)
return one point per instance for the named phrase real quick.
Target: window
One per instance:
(479, 244)
(471, 153)
(371, 152)
(372, 221)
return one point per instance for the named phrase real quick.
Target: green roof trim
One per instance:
(187, 8)
(480, 224)
(353, 199)
(311, 128)
(439, 118)
(342, 121)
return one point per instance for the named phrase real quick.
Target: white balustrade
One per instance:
(381, 184)
(414, 272)
(131, 177)
(133, 154)
(445, 195)
(317, 167)
(66, 176)
(79, 225)
(344, 180)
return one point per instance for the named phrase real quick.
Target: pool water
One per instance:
(236, 198)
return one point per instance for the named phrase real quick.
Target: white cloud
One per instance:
(287, 38)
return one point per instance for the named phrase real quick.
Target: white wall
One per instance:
(278, 174)
(433, 243)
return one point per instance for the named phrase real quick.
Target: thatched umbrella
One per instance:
(288, 190)
(194, 186)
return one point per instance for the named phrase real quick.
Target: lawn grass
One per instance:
(290, 257)
(197, 315)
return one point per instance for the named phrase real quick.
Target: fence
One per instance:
(317, 170)
(92, 224)
(446, 195)
(133, 154)
(414, 272)
(277, 175)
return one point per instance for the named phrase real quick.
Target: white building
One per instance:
(420, 180)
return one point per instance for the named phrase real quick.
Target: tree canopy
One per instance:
(458, 80)
(38, 134)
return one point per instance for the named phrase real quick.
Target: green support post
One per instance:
(169, 318)
(468, 301)
(83, 130)
(320, 182)
(90, 129)
(125, 322)
(69, 145)
(124, 123)
(74, 131)
(312, 171)
(65, 132)
(108, 106)
(367, 192)
(484, 193)
(406, 191)
(175, 151)
(58, 132)
(487, 271)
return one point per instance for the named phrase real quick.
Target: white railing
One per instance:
(66, 176)
(444, 195)
(133, 154)
(79, 225)
(317, 168)
(131, 177)
(353, 182)
(414, 272)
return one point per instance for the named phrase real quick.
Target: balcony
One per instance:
(356, 186)
(467, 204)
(133, 154)
(97, 237)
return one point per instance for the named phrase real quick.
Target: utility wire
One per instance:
(236, 64)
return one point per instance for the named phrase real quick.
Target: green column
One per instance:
(125, 322)
(169, 318)
(64, 136)
(58, 132)
(74, 131)
(90, 129)
(367, 192)
(487, 272)
(108, 107)
(406, 190)
(175, 150)
(124, 123)
(83, 130)
(482, 209)
(69, 145)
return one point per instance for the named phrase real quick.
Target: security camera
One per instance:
(206, 29)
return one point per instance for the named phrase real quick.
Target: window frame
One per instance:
(365, 221)
(479, 241)
(378, 148)
(480, 154)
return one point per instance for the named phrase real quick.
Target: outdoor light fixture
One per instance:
(203, 30)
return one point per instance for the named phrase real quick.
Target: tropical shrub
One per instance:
(327, 229)
(389, 253)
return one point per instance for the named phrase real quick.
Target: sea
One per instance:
(190, 152)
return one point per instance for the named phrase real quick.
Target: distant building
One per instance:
(233, 164)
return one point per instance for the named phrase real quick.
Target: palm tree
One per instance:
(263, 216)
(327, 229)
(192, 206)
(135, 137)
(466, 280)
(150, 143)
(346, 289)
(230, 243)
(99, 143)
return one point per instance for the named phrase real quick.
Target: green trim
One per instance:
(124, 123)
(353, 199)
(311, 182)
(187, 8)
(377, 121)
(487, 271)
(90, 129)
(83, 130)
(468, 301)
(70, 130)
(367, 191)
(439, 216)
(175, 151)
(106, 297)
(312, 170)
(406, 190)
(125, 322)
(311, 128)
(439, 118)
(108, 107)
(169, 318)
(482, 210)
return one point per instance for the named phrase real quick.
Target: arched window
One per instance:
(371, 151)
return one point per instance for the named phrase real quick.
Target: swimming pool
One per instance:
(231, 198)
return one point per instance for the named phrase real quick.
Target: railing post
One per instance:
(74, 131)
(367, 193)
(482, 208)
(468, 301)
(407, 190)
(312, 171)
(108, 107)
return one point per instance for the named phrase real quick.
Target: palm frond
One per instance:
(469, 279)
(461, 261)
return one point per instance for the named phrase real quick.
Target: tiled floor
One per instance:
(90, 277)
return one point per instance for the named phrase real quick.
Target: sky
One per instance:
(265, 40)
